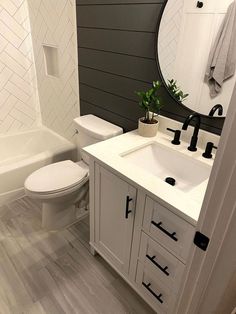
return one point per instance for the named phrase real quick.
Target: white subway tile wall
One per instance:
(19, 107)
(53, 23)
(169, 36)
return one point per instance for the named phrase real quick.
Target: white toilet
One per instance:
(62, 187)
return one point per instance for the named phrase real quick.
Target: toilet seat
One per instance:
(57, 194)
(57, 178)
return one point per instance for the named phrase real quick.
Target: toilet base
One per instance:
(57, 216)
(60, 210)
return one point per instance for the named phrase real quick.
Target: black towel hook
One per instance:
(200, 4)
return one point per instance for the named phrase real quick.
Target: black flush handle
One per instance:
(200, 4)
(158, 297)
(127, 210)
(171, 235)
(163, 269)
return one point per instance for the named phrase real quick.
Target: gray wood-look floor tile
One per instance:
(53, 272)
(35, 308)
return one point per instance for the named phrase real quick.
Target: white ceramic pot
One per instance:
(147, 130)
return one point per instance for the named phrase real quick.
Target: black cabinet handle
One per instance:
(163, 269)
(127, 211)
(171, 235)
(158, 297)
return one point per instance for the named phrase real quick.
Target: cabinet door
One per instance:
(114, 217)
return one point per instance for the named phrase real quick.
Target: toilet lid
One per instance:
(55, 177)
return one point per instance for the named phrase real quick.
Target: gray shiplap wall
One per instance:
(116, 40)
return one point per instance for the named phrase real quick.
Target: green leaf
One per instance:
(149, 100)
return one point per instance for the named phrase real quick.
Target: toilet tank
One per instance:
(90, 130)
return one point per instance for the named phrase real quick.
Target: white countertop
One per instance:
(185, 205)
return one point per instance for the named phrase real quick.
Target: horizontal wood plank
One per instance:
(117, 85)
(130, 43)
(123, 65)
(134, 17)
(118, 105)
(89, 108)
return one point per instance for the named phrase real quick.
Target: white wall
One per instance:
(19, 109)
(53, 23)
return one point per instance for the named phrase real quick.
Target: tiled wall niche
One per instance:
(53, 24)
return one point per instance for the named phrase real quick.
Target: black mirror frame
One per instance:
(161, 75)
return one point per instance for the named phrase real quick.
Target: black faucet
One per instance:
(214, 109)
(193, 143)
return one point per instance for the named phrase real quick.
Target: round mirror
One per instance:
(195, 49)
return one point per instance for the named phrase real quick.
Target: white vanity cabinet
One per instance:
(144, 241)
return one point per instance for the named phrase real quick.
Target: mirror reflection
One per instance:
(197, 53)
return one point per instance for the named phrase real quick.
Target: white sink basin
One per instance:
(164, 162)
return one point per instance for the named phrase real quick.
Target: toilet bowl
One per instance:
(60, 187)
(63, 187)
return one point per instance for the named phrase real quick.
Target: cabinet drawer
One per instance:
(168, 229)
(155, 292)
(167, 267)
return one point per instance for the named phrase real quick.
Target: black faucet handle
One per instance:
(208, 151)
(176, 140)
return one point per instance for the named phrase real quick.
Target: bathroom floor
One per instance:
(53, 272)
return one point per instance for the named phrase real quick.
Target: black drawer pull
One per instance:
(163, 269)
(127, 211)
(158, 297)
(171, 235)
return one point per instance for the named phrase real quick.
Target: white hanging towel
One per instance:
(222, 59)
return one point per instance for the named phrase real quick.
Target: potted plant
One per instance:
(151, 104)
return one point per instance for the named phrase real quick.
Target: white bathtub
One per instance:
(25, 152)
